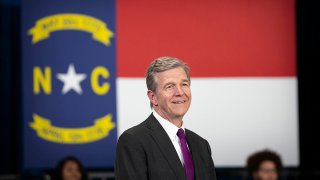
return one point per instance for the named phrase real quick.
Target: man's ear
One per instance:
(152, 98)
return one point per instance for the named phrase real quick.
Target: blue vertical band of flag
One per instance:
(69, 89)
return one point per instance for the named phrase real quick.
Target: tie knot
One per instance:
(181, 134)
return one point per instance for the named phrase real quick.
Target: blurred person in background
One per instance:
(70, 168)
(264, 165)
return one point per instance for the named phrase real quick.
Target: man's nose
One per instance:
(179, 90)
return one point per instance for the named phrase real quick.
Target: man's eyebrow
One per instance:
(171, 82)
(185, 80)
(168, 83)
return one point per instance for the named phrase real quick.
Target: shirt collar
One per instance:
(170, 128)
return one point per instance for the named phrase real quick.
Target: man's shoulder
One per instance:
(139, 129)
(197, 141)
(194, 136)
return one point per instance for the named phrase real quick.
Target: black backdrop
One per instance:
(308, 53)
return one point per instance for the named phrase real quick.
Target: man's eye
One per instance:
(169, 87)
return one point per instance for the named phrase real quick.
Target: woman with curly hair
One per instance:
(70, 168)
(264, 165)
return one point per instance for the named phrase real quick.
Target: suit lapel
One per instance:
(166, 147)
(194, 151)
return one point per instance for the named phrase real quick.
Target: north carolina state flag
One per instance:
(84, 64)
(243, 65)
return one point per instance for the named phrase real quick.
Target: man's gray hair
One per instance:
(163, 64)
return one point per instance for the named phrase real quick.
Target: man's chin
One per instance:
(180, 114)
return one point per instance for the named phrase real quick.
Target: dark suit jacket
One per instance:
(146, 152)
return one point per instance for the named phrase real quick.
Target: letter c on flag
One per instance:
(96, 87)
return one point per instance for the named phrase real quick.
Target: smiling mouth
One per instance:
(179, 102)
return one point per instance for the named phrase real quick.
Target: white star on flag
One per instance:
(71, 80)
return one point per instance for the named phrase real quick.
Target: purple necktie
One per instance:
(188, 163)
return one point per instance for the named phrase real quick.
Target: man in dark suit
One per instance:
(160, 148)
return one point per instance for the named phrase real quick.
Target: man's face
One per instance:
(173, 96)
(267, 171)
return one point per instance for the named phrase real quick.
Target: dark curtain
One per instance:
(308, 39)
(10, 110)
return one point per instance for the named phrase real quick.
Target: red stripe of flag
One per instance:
(216, 38)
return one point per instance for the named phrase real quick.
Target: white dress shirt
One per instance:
(171, 130)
